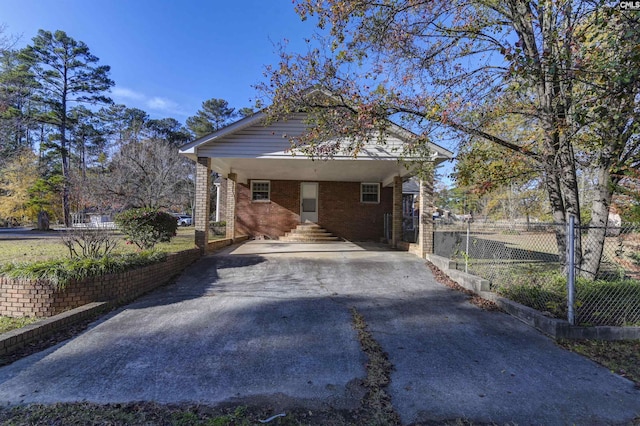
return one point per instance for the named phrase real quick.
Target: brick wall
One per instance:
(340, 210)
(22, 297)
(342, 213)
(272, 218)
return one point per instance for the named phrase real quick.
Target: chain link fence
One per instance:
(528, 263)
(610, 294)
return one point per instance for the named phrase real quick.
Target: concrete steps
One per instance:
(308, 233)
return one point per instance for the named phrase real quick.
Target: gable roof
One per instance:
(254, 150)
(251, 138)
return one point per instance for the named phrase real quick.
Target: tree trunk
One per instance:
(596, 237)
(43, 221)
(569, 185)
(558, 214)
(64, 152)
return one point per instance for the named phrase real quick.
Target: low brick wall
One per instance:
(218, 244)
(21, 297)
(18, 338)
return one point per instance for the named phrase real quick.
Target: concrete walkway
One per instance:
(270, 321)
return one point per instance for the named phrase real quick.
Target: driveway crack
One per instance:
(376, 403)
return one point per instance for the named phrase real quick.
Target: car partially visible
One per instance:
(184, 219)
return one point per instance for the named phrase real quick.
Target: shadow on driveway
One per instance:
(277, 327)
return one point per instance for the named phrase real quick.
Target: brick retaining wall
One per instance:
(22, 297)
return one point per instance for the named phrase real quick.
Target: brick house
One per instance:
(267, 190)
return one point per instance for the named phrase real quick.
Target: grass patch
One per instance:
(545, 292)
(8, 323)
(51, 247)
(31, 250)
(621, 357)
(148, 414)
(47, 258)
(598, 302)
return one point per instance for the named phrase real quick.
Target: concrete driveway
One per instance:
(271, 321)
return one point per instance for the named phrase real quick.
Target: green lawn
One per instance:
(29, 250)
(8, 324)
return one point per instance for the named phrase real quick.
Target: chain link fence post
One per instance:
(466, 258)
(571, 269)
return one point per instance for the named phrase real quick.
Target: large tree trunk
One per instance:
(596, 238)
(569, 185)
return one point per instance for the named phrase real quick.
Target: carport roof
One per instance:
(254, 150)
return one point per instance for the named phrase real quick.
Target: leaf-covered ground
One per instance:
(621, 357)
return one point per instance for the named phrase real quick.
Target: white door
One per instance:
(309, 202)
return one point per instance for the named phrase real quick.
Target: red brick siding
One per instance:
(340, 210)
(272, 218)
(20, 298)
(342, 213)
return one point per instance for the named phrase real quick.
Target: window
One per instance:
(370, 192)
(260, 190)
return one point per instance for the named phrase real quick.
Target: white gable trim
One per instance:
(250, 138)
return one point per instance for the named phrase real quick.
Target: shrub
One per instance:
(146, 227)
(89, 243)
(61, 271)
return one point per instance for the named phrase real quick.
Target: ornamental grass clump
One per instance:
(145, 227)
(60, 271)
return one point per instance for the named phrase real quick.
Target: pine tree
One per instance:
(215, 113)
(67, 74)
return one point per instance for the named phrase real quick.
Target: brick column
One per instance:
(203, 202)
(231, 205)
(426, 217)
(396, 215)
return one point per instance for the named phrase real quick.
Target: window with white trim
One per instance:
(260, 190)
(369, 192)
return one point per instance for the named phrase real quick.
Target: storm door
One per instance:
(309, 202)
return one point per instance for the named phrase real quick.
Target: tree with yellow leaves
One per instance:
(16, 179)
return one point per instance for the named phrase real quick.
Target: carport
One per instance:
(268, 188)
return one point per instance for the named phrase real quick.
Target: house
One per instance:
(268, 189)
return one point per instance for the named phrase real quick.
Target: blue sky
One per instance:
(167, 57)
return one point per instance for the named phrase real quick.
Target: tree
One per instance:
(609, 83)
(168, 129)
(215, 113)
(246, 112)
(17, 178)
(16, 107)
(67, 73)
(450, 66)
(149, 174)
(87, 140)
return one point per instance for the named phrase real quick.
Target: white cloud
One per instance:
(123, 92)
(156, 104)
(161, 104)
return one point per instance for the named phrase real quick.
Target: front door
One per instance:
(309, 202)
